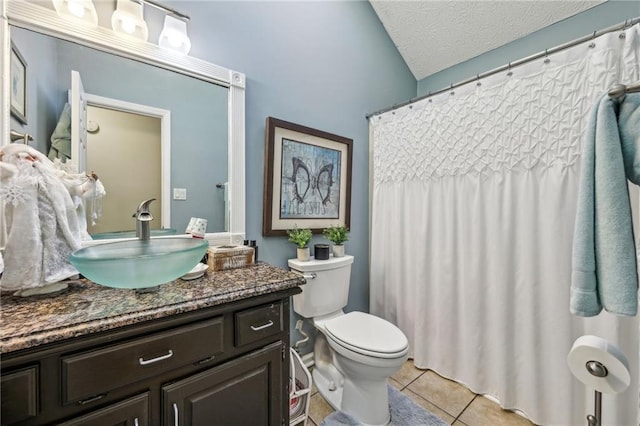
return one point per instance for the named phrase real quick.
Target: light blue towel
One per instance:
(604, 256)
(61, 136)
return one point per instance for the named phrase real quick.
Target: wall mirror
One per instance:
(198, 110)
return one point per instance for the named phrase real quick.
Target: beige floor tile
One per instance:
(484, 412)
(311, 423)
(319, 408)
(458, 423)
(396, 384)
(408, 373)
(429, 406)
(445, 394)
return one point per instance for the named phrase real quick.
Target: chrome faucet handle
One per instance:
(144, 206)
(143, 212)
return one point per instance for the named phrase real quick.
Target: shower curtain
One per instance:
(473, 205)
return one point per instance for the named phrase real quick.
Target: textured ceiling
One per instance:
(433, 35)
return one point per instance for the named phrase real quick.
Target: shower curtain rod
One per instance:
(621, 26)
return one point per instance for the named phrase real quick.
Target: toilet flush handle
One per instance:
(310, 276)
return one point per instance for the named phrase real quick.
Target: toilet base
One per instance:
(335, 399)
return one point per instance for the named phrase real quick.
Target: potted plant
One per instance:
(337, 235)
(301, 238)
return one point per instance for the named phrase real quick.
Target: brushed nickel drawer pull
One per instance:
(142, 361)
(206, 360)
(175, 414)
(92, 399)
(262, 327)
(135, 422)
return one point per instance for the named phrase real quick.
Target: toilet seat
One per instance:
(367, 335)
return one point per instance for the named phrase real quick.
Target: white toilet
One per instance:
(355, 352)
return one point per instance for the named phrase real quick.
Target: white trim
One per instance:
(34, 17)
(4, 105)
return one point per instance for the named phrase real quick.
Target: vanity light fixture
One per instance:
(77, 10)
(174, 35)
(128, 19)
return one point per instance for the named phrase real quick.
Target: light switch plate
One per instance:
(179, 193)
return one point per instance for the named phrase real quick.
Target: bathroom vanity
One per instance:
(214, 350)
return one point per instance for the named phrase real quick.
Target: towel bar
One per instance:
(14, 135)
(619, 90)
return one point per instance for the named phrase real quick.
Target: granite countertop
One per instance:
(85, 308)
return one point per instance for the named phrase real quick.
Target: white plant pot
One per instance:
(303, 254)
(338, 250)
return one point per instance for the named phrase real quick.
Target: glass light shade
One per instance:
(174, 35)
(128, 19)
(82, 11)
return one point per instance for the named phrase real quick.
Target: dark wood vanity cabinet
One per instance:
(245, 391)
(224, 365)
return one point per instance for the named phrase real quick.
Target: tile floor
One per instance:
(452, 402)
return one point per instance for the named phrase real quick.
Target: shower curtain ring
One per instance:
(452, 92)
(546, 56)
(478, 80)
(622, 33)
(510, 73)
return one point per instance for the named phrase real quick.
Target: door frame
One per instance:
(165, 142)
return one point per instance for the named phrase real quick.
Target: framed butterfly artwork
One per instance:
(307, 180)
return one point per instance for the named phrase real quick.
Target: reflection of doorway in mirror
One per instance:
(133, 143)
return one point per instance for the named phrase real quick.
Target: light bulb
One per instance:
(174, 35)
(128, 25)
(76, 8)
(174, 39)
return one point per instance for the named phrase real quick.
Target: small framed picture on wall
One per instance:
(307, 178)
(18, 85)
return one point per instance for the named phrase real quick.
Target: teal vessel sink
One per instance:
(132, 234)
(139, 264)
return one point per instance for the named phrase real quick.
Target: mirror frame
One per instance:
(43, 20)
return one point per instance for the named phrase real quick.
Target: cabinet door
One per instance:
(19, 395)
(130, 412)
(246, 391)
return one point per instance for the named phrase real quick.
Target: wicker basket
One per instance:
(221, 258)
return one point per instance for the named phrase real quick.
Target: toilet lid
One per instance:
(364, 332)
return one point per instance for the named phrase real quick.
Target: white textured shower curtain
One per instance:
(473, 205)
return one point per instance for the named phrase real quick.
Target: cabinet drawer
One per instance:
(19, 395)
(132, 411)
(96, 372)
(257, 323)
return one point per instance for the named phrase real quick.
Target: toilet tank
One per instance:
(327, 287)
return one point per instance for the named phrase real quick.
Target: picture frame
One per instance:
(18, 83)
(307, 180)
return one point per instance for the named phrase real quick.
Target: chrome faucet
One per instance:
(143, 217)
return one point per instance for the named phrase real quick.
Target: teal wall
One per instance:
(324, 65)
(596, 18)
(43, 98)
